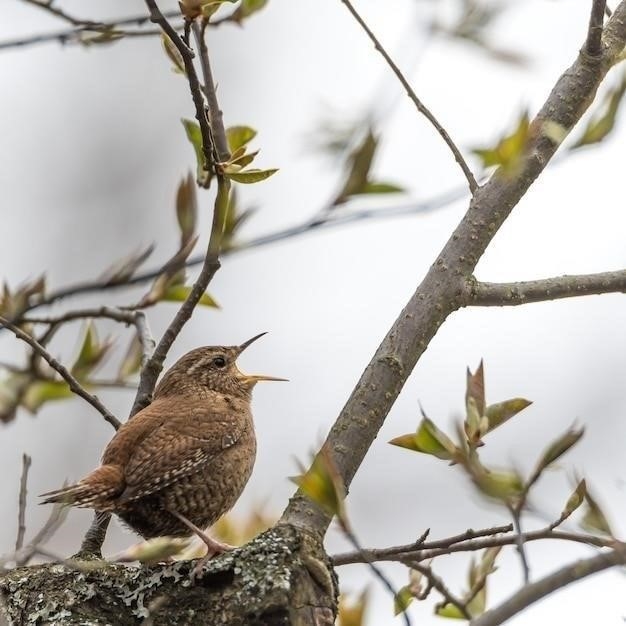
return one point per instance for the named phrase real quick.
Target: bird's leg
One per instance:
(94, 538)
(214, 547)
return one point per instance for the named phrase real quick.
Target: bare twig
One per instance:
(419, 105)
(533, 592)
(21, 512)
(211, 264)
(190, 71)
(375, 570)
(489, 538)
(419, 545)
(593, 46)
(82, 27)
(317, 223)
(519, 542)
(119, 315)
(437, 583)
(215, 113)
(73, 384)
(512, 294)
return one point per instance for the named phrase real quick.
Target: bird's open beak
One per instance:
(250, 379)
(245, 344)
(254, 379)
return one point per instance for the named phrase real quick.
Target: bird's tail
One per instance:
(95, 491)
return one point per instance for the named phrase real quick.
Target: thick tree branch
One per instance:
(73, 384)
(533, 592)
(512, 294)
(442, 291)
(419, 105)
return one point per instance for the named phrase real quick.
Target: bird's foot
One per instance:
(214, 547)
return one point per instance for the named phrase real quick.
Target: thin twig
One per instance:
(190, 71)
(87, 26)
(593, 45)
(513, 294)
(519, 542)
(317, 223)
(73, 384)
(430, 550)
(21, 512)
(533, 592)
(375, 570)
(419, 105)
(119, 315)
(211, 264)
(215, 112)
(437, 583)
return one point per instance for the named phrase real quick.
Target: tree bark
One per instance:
(281, 578)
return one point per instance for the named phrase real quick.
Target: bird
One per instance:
(180, 463)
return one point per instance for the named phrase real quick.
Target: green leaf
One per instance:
(509, 151)
(186, 209)
(154, 550)
(359, 164)
(44, 391)
(504, 485)
(124, 269)
(239, 136)
(402, 600)
(374, 187)
(428, 439)
(557, 448)
(91, 353)
(244, 159)
(450, 611)
(594, 520)
(599, 126)
(247, 8)
(173, 54)
(194, 135)
(322, 483)
(249, 177)
(575, 500)
(352, 613)
(11, 389)
(131, 363)
(500, 412)
(475, 388)
(179, 293)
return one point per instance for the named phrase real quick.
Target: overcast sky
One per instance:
(92, 151)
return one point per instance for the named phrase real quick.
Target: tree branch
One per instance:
(547, 289)
(73, 384)
(419, 105)
(489, 538)
(442, 291)
(21, 509)
(150, 372)
(532, 592)
(82, 27)
(593, 45)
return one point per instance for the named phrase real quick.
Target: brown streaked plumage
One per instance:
(188, 454)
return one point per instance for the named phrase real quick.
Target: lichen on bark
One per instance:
(281, 578)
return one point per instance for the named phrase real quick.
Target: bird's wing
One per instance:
(179, 446)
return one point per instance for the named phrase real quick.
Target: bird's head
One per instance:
(211, 368)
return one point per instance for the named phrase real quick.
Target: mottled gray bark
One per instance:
(282, 578)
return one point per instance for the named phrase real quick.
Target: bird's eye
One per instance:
(219, 361)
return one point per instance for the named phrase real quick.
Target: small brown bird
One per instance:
(182, 462)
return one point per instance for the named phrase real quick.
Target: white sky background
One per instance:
(92, 150)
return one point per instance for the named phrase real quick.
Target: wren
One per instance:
(182, 462)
